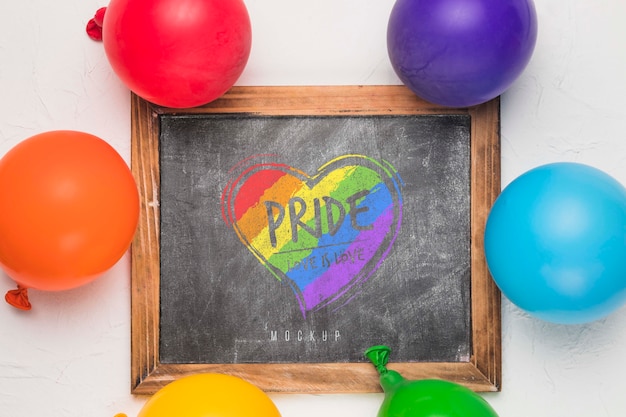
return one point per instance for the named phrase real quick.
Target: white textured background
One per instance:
(69, 356)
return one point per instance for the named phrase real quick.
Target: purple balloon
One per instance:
(460, 53)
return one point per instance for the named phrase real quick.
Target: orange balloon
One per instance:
(69, 208)
(209, 395)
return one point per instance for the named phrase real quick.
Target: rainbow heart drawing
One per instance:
(324, 234)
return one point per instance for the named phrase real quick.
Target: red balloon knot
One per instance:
(94, 26)
(18, 298)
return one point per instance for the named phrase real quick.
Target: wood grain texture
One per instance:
(486, 324)
(481, 373)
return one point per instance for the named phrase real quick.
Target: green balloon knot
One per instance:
(379, 356)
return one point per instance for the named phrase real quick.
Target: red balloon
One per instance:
(69, 210)
(177, 53)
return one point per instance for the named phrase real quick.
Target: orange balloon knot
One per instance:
(94, 26)
(18, 298)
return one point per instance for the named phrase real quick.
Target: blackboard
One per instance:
(295, 227)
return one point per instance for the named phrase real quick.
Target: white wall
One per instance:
(69, 356)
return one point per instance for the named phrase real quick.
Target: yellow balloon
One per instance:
(209, 395)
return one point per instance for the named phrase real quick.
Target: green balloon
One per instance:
(424, 398)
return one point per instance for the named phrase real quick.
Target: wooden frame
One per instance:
(481, 373)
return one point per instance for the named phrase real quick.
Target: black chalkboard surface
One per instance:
(297, 228)
(222, 304)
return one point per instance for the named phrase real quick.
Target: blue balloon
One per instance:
(555, 243)
(460, 53)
